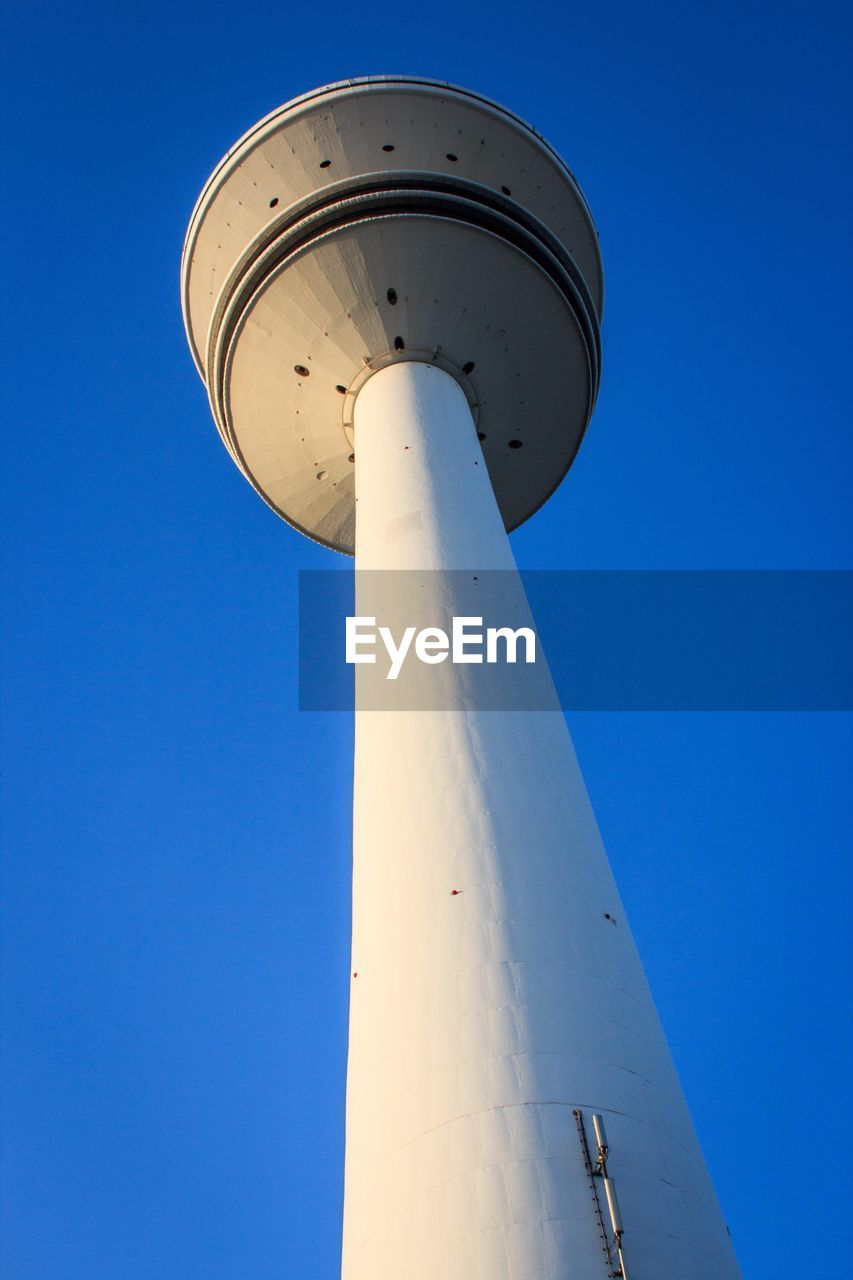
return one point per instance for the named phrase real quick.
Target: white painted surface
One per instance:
(381, 216)
(480, 1019)
(342, 131)
(470, 294)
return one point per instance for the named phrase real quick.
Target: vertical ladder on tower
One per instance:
(597, 1171)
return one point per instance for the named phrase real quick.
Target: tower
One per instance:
(392, 289)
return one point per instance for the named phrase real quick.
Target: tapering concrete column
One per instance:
(498, 987)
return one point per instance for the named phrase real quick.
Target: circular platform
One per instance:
(392, 219)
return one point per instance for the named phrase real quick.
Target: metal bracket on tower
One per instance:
(597, 1169)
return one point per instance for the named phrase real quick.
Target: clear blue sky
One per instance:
(177, 834)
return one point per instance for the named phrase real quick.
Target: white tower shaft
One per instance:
(481, 1019)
